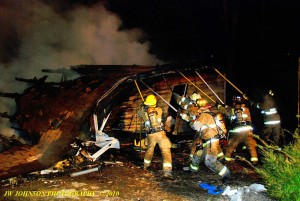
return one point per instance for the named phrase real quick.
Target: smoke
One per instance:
(33, 37)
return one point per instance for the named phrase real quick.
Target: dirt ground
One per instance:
(121, 177)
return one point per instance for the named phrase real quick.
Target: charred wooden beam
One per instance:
(5, 115)
(60, 70)
(63, 71)
(34, 81)
(10, 95)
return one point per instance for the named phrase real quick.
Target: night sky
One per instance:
(255, 42)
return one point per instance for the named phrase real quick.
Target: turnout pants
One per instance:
(164, 143)
(236, 139)
(211, 150)
(273, 132)
(196, 154)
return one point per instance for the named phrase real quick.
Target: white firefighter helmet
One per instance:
(195, 96)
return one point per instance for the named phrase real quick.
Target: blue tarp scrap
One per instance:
(211, 189)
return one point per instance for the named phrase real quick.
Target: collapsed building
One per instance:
(100, 107)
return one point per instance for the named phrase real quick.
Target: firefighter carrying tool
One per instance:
(241, 124)
(205, 126)
(241, 128)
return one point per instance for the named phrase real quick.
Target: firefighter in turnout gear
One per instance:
(241, 128)
(206, 128)
(152, 117)
(202, 104)
(190, 113)
(272, 126)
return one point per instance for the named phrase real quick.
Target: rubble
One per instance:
(243, 193)
(86, 131)
(53, 115)
(122, 179)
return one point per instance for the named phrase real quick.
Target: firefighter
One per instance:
(272, 126)
(152, 116)
(206, 128)
(241, 128)
(202, 103)
(192, 111)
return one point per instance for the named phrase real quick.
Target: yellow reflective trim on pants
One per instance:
(194, 167)
(167, 165)
(220, 154)
(223, 171)
(254, 159)
(229, 159)
(199, 152)
(210, 141)
(147, 161)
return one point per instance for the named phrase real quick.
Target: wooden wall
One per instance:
(124, 116)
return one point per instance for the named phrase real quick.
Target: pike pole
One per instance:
(137, 86)
(209, 87)
(159, 96)
(196, 86)
(244, 95)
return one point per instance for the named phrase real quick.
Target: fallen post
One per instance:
(75, 174)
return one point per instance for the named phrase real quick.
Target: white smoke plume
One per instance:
(34, 37)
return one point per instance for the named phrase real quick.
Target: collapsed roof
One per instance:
(52, 115)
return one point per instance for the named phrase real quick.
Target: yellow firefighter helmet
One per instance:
(202, 102)
(150, 100)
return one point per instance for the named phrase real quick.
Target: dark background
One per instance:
(254, 42)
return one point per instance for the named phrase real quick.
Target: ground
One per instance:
(120, 177)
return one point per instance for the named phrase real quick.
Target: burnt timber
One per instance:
(53, 116)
